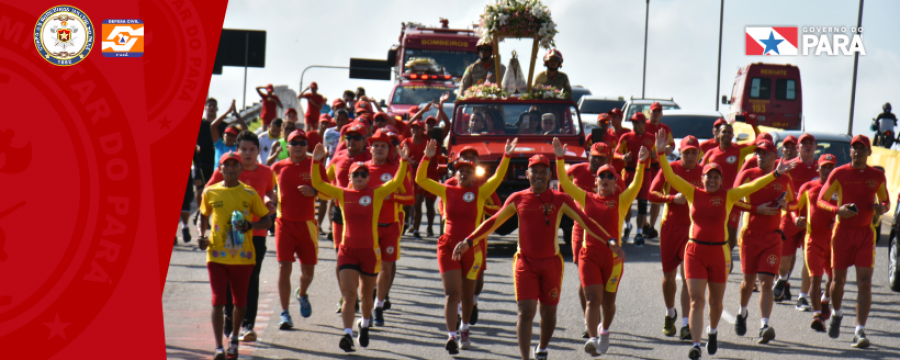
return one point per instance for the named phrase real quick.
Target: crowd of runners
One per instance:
(369, 174)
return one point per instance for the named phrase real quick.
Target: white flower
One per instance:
(548, 95)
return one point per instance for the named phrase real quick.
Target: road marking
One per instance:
(728, 317)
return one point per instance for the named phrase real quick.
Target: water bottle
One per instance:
(237, 224)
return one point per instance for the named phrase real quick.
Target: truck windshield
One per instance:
(455, 62)
(516, 119)
(645, 108)
(684, 125)
(417, 94)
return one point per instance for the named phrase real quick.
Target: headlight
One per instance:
(479, 171)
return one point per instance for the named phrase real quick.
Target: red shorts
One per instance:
(470, 263)
(598, 265)
(708, 262)
(366, 261)
(792, 242)
(672, 240)
(221, 275)
(577, 241)
(734, 218)
(297, 238)
(818, 255)
(644, 193)
(538, 279)
(483, 255)
(852, 246)
(389, 241)
(760, 253)
(337, 232)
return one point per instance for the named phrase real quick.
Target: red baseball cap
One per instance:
(324, 117)
(338, 102)
(358, 165)
(231, 155)
(365, 118)
(615, 111)
(604, 117)
(790, 139)
(538, 160)
(638, 117)
(232, 130)
(766, 145)
(363, 106)
(805, 136)
(297, 134)
(418, 122)
(467, 148)
(689, 142)
(720, 122)
(414, 110)
(313, 85)
(600, 149)
(290, 110)
(355, 127)
(380, 135)
(827, 159)
(765, 136)
(460, 163)
(862, 139)
(431, 119)
(270, 88)
(710, 167)
(380, 115)
(610, 168)
(655, 106)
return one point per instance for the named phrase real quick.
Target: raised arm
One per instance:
(739, 192)
(677, 182)
(564, 181)
(214, 125)
(317, 182)
(492, 183)
(389, 187)
(627, 197)
(486, 228)
(657, 191)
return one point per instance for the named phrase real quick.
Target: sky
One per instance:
(602, 43)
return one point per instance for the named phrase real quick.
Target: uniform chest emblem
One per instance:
(365, 200)
(717, 201)
(777, 186)
(469, 197)
(870, 184)
(834, 196)
(731, 159)
(386, 177)
(611, 203)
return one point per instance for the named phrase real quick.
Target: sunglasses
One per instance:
(297, 143)
(362, 174)
(606, 176)
(354, 137)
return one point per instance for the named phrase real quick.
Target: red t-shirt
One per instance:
(269, 110)
(707, 145)
(312, 112)
(313, 138)
(490, 207)
(801, 174)
(661, 192)
(632, 142)
(292, 204)
(730, 159)
(855, 186)
(758, 223)
(818, 221)
(378, 175)
(262, 180)
(653, 129)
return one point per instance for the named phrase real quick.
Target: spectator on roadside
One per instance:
(333, 135)
(225, 143)
(279, 149)
(268, 139)
(314, 104)
(270, 104)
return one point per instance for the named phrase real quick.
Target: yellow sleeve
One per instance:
(802, 203)
(322, 186)
(627, 197)
(429, 185)
(257, 207)
(488, 227)
(491, 185)
(676, 181)
(390, 186)
(204, 206)
(566, 183)
(748, 188)
(331, 172)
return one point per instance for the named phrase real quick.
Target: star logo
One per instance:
(771, 43)
(57, 328)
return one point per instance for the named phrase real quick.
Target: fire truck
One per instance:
(770, 91)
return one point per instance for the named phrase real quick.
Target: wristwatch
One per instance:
(611, 242)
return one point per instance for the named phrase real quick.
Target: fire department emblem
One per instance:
(554, 293)
(64, 35)
(468, 197)
(390, 250)
(731, 159)
(871, 183)
(365, 200)
(777, 186)
(716, 201)
(386, 177)
(772, 259)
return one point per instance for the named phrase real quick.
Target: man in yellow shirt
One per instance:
(229, 258)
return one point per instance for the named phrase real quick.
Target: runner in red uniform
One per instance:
(359, 256)
(463, 213)
(654, 123)
(853, 242)
(382, 168)
(601, 259)
(296, 235)
(538, 263)
(628, 144)
(761, 240)
(584, 176)
(818, 224)
(417, 143)
(609, 135)
(794, 236)
(730, 157)
(708, 145)
(707, 258)
(675, 231)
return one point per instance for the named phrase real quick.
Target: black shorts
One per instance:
(188, 196)
(204, 172)
(336, 215)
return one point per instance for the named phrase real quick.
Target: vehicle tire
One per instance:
(894, 264)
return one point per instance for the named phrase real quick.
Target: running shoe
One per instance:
(286, 322)
(387, 301)
(712, 344)
(818, 324)
(340, 306)
(803, 304)
(428, 232)
(626, 232)
(219, 354)
(591, 346)
(229, 326)
(650, 232)
(247, 335)
(186, 234)
(778, 290)
(347, 344)
(379, 317)
(464, 341)
(669, 325)
(232, 352)
(834, 327)
(416, 235)
(694, 354)
(363, 334)
(639, 240)
(540, 355)
(604, 344)
(787, 292)
(585, 334)
(473, 319)
(826, 311)
(766, 334)
(685, 333)
(452, 347)
(305, 306)
(860, 340)
(740, 324)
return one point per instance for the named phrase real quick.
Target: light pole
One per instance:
(719, 69)
(855, 65)
(646, 25)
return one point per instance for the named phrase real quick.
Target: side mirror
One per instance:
(725, 99)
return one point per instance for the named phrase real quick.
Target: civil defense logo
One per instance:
(64, 35)
(122, 37)
(813, 40)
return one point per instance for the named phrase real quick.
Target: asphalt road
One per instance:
(415, 327)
